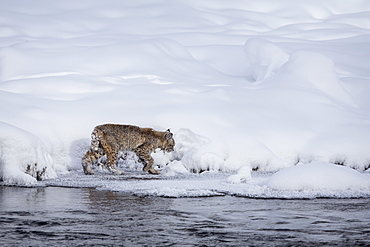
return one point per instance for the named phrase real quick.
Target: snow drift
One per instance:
(264, 85)
(318, 176)
(23, 157)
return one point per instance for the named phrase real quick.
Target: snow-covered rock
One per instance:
(24, 159)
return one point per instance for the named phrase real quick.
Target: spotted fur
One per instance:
(109, 139)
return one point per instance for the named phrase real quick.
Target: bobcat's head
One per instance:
(169, 142)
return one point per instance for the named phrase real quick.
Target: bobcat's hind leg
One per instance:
(94, 153)
(88, 159)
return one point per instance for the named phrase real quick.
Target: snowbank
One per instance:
(23, 157)
(264, 85)
(318, 176)
(304, 181)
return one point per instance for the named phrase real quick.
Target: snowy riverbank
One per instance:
(243, 85)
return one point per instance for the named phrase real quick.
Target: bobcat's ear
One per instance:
(168, 134)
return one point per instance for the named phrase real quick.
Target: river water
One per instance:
(55, 216)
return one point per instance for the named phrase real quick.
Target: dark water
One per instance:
(54, 216)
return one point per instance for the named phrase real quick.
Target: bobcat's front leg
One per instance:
(144, 154)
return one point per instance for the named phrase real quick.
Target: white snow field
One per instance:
(264, 97)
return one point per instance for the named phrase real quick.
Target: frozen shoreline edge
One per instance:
(193, 185)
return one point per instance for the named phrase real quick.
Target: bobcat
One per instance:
(109, 139)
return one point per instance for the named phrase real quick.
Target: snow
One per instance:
(20, 150)
(248, 88)
(318, 176)
(243, 175)
(304, 181)
(264, 57)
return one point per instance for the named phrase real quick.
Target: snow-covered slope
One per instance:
(264, 84)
